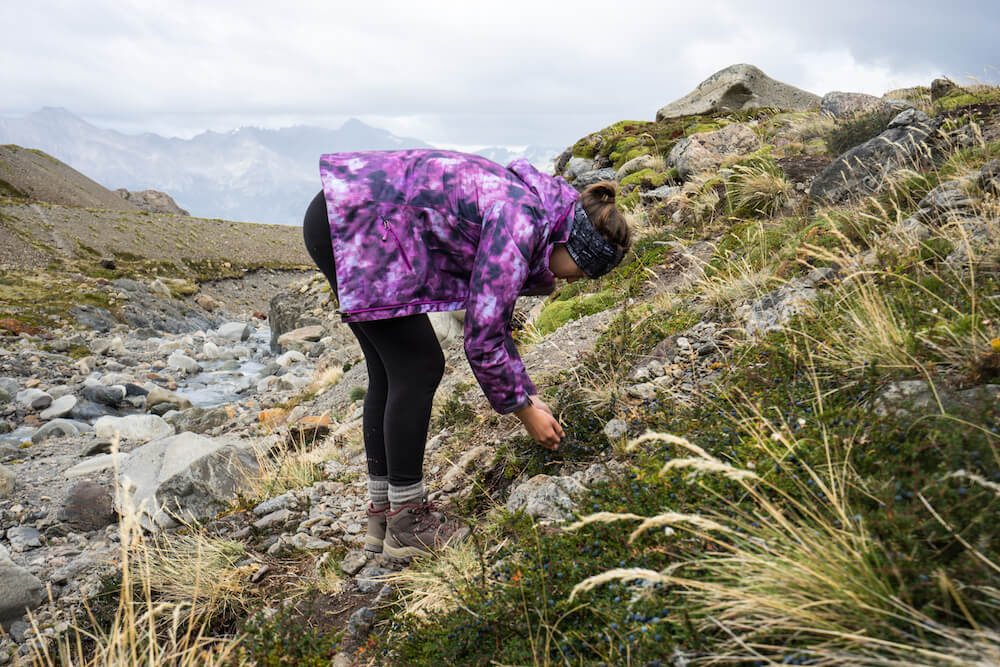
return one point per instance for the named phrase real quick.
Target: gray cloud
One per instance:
(465, 73)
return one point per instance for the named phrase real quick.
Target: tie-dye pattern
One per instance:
(427, 230)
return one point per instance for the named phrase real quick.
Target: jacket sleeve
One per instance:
(500, 269)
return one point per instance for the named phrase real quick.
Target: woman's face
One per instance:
(563, 266)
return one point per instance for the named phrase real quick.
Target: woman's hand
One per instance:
(541, 425)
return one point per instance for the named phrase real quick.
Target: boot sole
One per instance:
(403, 553)
(373, 545)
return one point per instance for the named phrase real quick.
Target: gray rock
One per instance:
(771, 311)
(22, 591)
(234, 331)
(276, 518)
(707, 150)
(594, 176)
(141, 428)
(160, 395)
(22, 538)
(945, 202)
(284, 501)
(908, 117)
(88, 506)
(184, 363)
(941, 87)
(8, 482)
(738, 87)
(306, 542)
(9, 386)
(904, 397)
(546, 497)
(200, 420)
(5, 396)
(94, 464)
(288, 312)
(88, 411)
(152, 201)
(846, 105)
(644, 391)
(615, 429)
(577, 166)
(59, 407)
(187, 475)
(635, 164)
(36, 399)
(372, 578)
(353, 562)
(59, 428)
(863, 170)
(110, 396)
(359, 625)
(302, 338)
(662, 193)
(106, 347)
(94, 317)
(989, 177)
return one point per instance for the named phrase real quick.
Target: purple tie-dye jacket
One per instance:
(417, 231)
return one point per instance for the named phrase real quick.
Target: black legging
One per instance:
(405, 365)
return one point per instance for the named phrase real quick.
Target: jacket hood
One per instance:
(555, 194)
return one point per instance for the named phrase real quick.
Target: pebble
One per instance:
(353, 562)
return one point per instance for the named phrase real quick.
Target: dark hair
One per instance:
(598, 201)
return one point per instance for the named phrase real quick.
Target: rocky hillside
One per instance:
(781, 416)
(63, 237)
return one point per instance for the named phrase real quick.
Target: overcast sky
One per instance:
(464, 72)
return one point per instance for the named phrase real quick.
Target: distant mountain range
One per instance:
(249, 174)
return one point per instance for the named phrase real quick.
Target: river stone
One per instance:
(289, 358)
(36, 399)
(738, 87)
(9, 386)
(110, 396)
(4, 396)
(8, 482)
(107, 347)
(88, 411)
(301, 338)
(22, 538)
(59, 407)
(187, 475)
(87, 507)
(183, 362)
(846, 105)
(234, 331)
(59, 428)
(201, 420)
(545, 497)
(94, 464)
(134, 427)
(22, 591)
(707, 150)
(161, 395)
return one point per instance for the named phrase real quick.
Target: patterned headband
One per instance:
(588, 247)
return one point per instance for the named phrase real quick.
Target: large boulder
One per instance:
(153, 201)
(739, 87)
(186, 476)
(288, 312)
(202, 420)
(863, 170)
(846, 105)
(708, 150)
(141, 428)
(21, 590)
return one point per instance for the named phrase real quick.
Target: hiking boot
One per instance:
(376, 528)
(417, 529)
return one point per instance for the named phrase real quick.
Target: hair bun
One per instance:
(604, 191)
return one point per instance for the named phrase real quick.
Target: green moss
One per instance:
(557, 313)
(962, 97)
(647, 179)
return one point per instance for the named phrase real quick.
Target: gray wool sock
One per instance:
(378, 490)
(401, 495)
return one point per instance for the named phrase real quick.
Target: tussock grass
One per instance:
(282, 468)
(170, 590)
